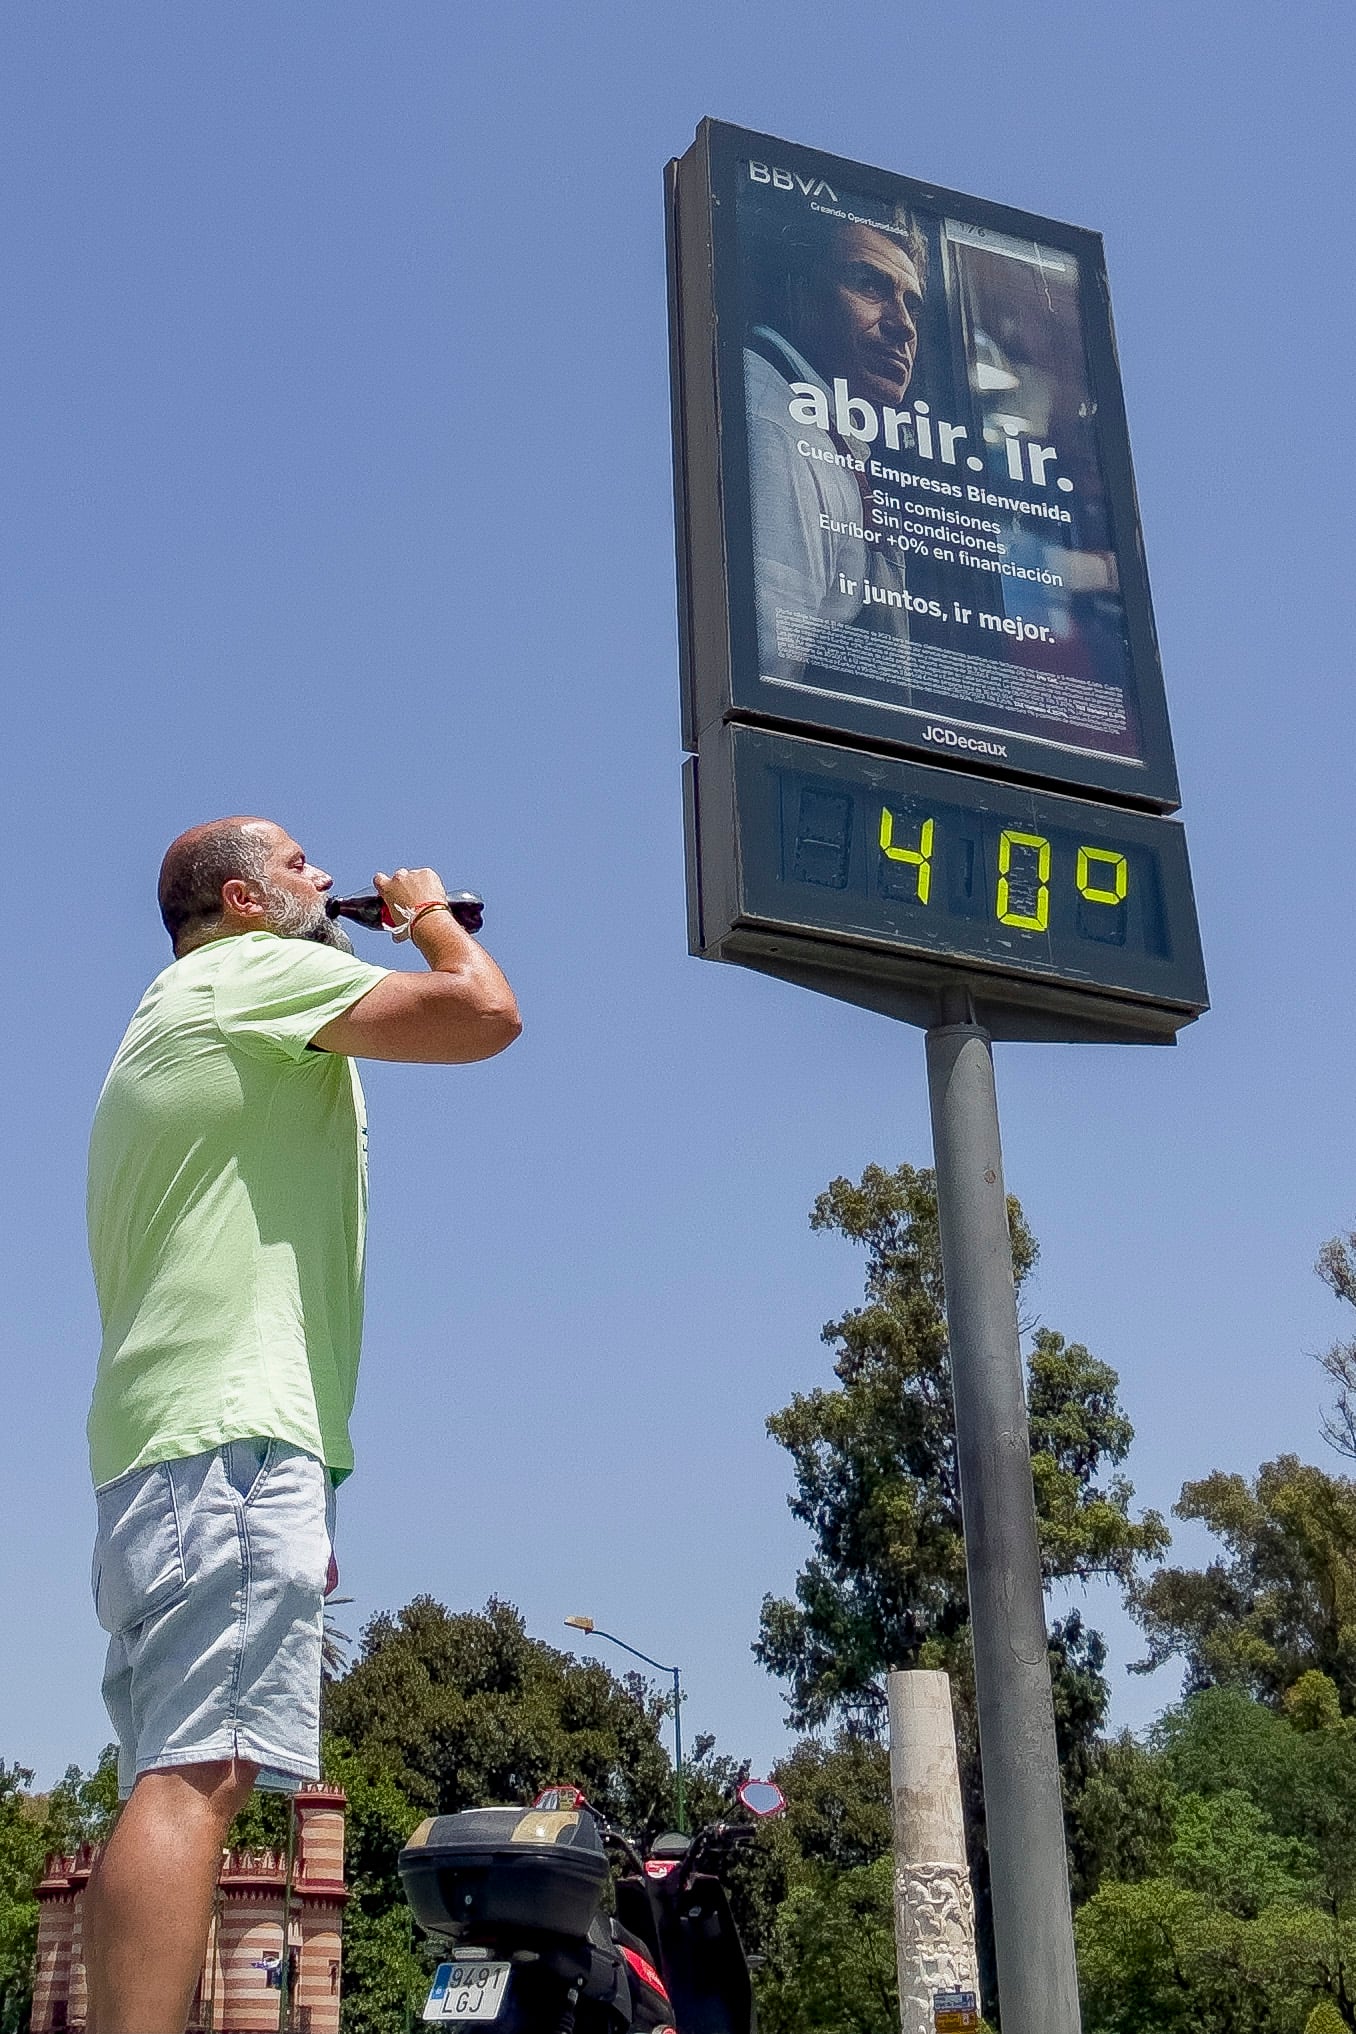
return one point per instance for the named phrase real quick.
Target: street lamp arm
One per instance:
(635, 1651)
(590, 1629)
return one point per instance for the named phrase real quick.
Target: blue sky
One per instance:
(336, 487)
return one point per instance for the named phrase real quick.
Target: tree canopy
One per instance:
(446, 1710)
(874, 1461)
(23, 1846)
(1231, 1905)
(831, 1958)
(1281, 1599)
(466, 1708)
(876, 1482)
(78, 1810)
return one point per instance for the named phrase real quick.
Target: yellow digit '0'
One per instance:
(921, 856)
(1032, 921)
(1120, 875)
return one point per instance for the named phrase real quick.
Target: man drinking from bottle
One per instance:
(227, 1209)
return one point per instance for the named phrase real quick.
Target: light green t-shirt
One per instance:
(227, 1210)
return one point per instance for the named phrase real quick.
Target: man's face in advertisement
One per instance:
(862, 314)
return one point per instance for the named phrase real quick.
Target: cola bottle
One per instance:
(368, 909)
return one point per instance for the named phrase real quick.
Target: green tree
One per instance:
(79, 1809)
(1337, 1268)
(1159, 1957)
(1121, 1818)
(1280, 1601)
(443, 1711)
(82, 1807)
(468, 1709)
(876, 1481)
(755, 1875)
(385, 1964)
(386, 1979)
(1301, 1776)
(1225, 1847)
(1228, 1893)
(262, 1823)
(831, 1961)
(23, 1849)
(838, 1800)
(837, 1820)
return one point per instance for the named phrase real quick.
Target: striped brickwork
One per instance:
(60, 1974)
(234, 1994)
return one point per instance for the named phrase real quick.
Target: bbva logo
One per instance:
(784, 180)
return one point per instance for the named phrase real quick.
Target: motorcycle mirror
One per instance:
(762, 1798)
(671, 1845)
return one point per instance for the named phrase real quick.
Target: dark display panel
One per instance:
(886, 858)
(906, 508)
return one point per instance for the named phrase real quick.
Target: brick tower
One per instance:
(238, 1992)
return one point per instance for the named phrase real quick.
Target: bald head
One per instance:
(198, 863)
(239, 875)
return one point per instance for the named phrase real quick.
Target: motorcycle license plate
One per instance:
(467, 1991)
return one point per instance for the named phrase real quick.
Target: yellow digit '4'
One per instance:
(920, 857)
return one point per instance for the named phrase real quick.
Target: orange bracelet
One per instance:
(420, 910)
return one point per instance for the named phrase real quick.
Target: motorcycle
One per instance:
(518, 1894)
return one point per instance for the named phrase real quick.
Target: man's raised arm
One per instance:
(461, 1010)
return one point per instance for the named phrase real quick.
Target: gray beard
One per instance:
(291, 919)
(329, 932)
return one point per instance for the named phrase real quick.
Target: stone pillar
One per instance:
(934, 1906)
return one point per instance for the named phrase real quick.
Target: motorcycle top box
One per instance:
(488, 1872)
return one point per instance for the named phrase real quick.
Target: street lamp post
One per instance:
(586, 1624)
(285, 1968)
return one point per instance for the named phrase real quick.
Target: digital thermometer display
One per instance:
(855, 851)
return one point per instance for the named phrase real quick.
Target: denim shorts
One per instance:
(209, 1578)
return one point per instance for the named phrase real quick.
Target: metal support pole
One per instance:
(679, 1802)
(284, 1974)
(1033, 1929)
(409, 1952)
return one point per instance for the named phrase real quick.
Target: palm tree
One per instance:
(334, 1644)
